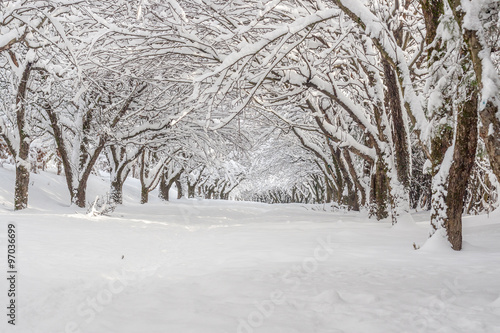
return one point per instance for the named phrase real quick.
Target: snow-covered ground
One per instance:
(218, 266)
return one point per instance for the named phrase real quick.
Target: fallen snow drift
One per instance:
(218, 266)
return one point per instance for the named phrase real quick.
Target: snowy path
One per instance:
(215, 266)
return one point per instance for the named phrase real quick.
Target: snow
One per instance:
(7, 37)
(427, 167)
(221, 266)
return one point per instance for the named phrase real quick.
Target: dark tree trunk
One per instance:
(179, 189)
(490, 133)
(77, 189)
(59, 167)
(22, 159)
(355, 179)
(164, 188)
(432, 10)
(117, 191)
(463, 160)
(399, 135)
(464, 151)
(165, 185)
(143, 175)
(191, 190)
(119, 161)
(490, 123)
(210, 192)
(379, 192)
(222, 194)
(144, 195)
(329, 192)
(117, 185)
(21, 187)
(81, 193)
(61, 148)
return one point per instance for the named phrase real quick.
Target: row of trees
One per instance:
(378, 80)
(387, 105)
(65, 103)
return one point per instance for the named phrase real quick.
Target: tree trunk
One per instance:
(117, 190)
(191, 190)
(22, 159)
(179, 189)
(358, 187)
(490, 133)
(488, 111)
(21, 187)
(451, 173)
(399, 135)
(329, 192)
(164, 188)
(379, 192)
(77, 190)
(80, 193)
(209, 193)
(463, 160)
(117, 180)
(144, 195)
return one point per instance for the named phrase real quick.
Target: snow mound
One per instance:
(437, 243)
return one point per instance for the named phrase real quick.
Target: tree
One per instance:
(30, 32)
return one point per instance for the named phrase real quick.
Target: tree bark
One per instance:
(179, 188)
(490, 133)
(22, 159)
(399, 135)
(191, 190)
(166, 185)
(164, 188)
(451, 175)
(80, 192)
(21, 187)
(144, 195)
(117, 184)
(117, 191)
(355, 179)
(379, 192)
(463, 160)
(490, 123)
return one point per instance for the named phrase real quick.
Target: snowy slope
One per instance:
(218, 266)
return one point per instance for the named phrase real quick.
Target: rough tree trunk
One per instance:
(117, 191)
(80, 192)
(191, 190)
(490, 123)
(399, 135)
(451, 173)
(164, 188)
(117, 185)
(463, 160)
(22, 158)
(179, 189)
(379, 192)
(490, 133)
(144, 195)
(329, 191)
(358, 187)
(21, 187)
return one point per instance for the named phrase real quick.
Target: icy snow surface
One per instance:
(217, 266)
